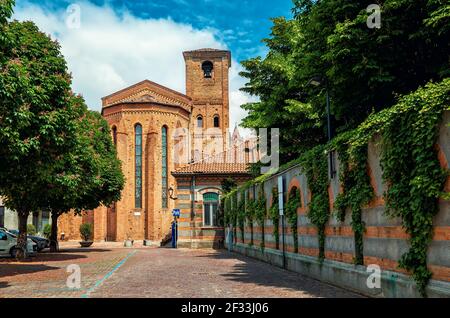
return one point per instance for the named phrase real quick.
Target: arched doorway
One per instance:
(210, 207)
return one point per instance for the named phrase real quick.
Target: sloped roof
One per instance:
(213, 168)
(148, 91)
(234, 160)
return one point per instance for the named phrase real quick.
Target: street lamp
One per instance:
(171, 194)
(318, 81)
(175, 220)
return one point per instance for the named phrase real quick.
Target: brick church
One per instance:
(175, 151)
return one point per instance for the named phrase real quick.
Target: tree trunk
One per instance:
(22, 238)
(54, 233)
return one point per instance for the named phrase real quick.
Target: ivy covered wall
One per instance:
(388, 204)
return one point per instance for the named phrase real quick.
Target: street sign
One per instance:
(280, 195)
(176, 212)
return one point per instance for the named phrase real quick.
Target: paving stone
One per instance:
(156, 272)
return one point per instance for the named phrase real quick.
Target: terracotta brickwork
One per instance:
(210, 99)
(154, 106)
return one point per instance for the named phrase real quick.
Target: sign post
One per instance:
(176, 214)
(281, 211)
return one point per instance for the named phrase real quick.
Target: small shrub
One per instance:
(31, 229)
(86, 231)
(47, 231)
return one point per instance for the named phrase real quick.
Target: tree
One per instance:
(38, 121)
(92, 173)
(366, 69)
(228, 184)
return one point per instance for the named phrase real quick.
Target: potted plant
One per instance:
(86, 234)
(128, 242)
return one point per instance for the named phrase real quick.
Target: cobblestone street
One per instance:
(155, 272)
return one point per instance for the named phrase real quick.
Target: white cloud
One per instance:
(113, 50)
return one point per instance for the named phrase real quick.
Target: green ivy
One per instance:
(241, 215)
(234, 211)
(274, 215)
(261, 213)
(315, 166)
(356, 188)
(294, 202)
(250, 211)
(412, 170)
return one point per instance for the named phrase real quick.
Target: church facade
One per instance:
(175, 151)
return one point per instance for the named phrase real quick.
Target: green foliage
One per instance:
(261, 212)
(315, 166)
(38, 121)
(274, 215)
(366, 69)
(241, 214)
(226, 203)
(6, 10)
(63, 151)
(294, 202)
(228, 184)
(86, 231)
(412, 170)
(47, 231)
(250, 212)
(356, 188)
(31, 229)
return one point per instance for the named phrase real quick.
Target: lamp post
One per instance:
(175, 222)
(318, 81)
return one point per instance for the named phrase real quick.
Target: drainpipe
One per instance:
(193, 198)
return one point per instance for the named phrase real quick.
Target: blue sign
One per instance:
(176, 212)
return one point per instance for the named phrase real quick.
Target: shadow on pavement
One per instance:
(66, 254)
(254, 271)
(4, 284)
(78, 250)
(20, 269)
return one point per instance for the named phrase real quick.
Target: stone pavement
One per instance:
(155, 272)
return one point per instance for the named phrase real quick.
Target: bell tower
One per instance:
(207, 72)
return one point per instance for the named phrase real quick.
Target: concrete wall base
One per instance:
(348, 276)
(195, 244)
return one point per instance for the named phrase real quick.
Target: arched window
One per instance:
(200, 122)
(207, 68)
(114, 133)
(138, 166)
(216, 121)
(164, 167)
(210, 204)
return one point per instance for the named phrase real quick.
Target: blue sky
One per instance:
(119, 43)
(241, 23)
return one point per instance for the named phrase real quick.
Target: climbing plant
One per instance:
(260, 213)
(241, 214)
(294, 202)
(274, 215)
(315, 166)
(356, 188)
(250, 214)
(412, 170)
(234, 211)
(408, 134)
